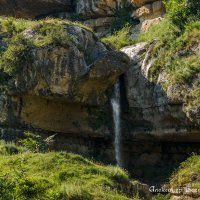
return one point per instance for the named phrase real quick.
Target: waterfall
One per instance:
(116, 108)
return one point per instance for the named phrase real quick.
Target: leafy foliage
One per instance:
(16, 55)
(183, 11)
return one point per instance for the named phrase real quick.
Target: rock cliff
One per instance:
(63, 85)
(149, 13)
(98, 14)
(157, 128)
(32, 9)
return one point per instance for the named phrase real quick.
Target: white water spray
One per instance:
(115, 102)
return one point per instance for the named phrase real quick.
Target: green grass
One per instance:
(181, 68)
(119, 39)
(26, 175)
(187, 174)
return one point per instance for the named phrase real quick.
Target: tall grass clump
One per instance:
(120, 38)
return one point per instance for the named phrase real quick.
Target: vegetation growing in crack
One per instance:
(177, 52)
(120, 38)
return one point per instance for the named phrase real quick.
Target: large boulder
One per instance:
(64, 86)
(81, 71)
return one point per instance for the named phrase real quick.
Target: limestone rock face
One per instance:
(158, 127)
(162, 112)
(96, 8)
(141, 2)
(65, 88)
(81, 72)
(98, 14)
(33, 8)
(150, 12)
(101, 26)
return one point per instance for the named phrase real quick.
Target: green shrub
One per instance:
(49, 34)
(183, 68)
(10, 26)
(16, 55)
(35, 143)
(164, 31)
(183, 11)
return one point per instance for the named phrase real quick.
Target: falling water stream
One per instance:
(115, 102)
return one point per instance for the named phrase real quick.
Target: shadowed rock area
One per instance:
(33, 8)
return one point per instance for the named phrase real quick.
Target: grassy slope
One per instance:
(187, 174)
(26, 175)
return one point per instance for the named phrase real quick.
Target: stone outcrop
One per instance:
(80, 73)
(64, 88)
(99, 14)
(157, 128)
(149, 12)
(97, 8)
(102, 26)
(85, 8)
(162, 111)
(139, 3)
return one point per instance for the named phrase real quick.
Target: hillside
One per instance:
(27, 175)
(115, 83)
